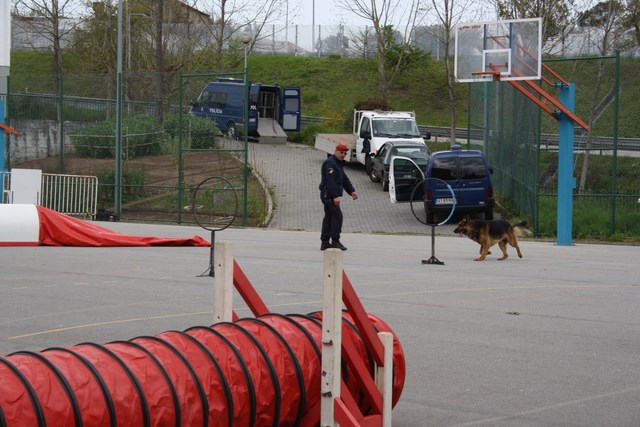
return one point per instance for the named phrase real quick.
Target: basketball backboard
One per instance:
(499, 50)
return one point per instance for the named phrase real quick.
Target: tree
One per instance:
(609, 17)
(98, 34)
(158, 14)
(336, 43)
(231, 19)
(557, 15)
(398, 56)
(48, 17)
(449, 13)
(362, 42)
(632, 19)
(383, 14)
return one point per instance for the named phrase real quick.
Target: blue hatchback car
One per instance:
(468, 174)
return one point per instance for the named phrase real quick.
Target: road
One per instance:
(293, 172)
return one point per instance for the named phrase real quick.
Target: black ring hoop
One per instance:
(420, 185)
(235, 196)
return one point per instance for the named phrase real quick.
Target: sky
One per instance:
(5, 35)
(326, 13)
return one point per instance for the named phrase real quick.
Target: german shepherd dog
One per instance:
(488, 233)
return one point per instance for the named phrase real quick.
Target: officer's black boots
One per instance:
(336, 244)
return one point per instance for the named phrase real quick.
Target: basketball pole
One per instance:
(2, 150)
(5, 63)
(566, 180)
(510, 51)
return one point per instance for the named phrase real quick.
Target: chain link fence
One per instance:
(68, 127)
(521, 142)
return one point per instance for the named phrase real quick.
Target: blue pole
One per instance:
(2, 151)
(566, 180)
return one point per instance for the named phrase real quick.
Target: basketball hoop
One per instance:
(495, 74)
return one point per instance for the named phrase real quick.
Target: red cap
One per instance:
(342, 147)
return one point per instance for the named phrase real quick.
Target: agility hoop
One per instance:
(433, 259)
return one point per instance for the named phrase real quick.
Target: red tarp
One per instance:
(57, 229)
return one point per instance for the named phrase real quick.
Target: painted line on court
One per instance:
(499, 288)
(112, 322)
(434, 291)
(548, 407)
(140, 319)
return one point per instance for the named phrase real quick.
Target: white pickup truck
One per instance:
(371, 129)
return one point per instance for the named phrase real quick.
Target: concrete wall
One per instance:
(40, 139)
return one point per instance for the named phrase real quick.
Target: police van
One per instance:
(272, 109)
(468, 174)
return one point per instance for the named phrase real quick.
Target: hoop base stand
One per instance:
(210, 271)
(214, 191)
(433, 259)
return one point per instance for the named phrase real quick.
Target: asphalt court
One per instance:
(551, 339)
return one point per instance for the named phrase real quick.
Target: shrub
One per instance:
(199, 133)
(373, 104)
(308, 133)
(96, 140)
(141, 136)
(132, 185)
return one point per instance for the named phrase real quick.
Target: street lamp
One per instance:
(313, 26)
(245, 39)
(117, 197)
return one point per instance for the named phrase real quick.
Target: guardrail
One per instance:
(546, 139)
(84, 103)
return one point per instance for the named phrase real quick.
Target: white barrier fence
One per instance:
(4, 198)
(68, 194)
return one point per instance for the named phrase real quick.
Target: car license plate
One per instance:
(444, 201)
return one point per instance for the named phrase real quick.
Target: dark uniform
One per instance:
(334, 181)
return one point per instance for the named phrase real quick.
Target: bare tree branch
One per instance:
(231, 19)
(383, 15)
(449, 13)
(48, 16)
(608, 16)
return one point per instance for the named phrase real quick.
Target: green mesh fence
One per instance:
(69, 127)
(521, 142)
(510, 126)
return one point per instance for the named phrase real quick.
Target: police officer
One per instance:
(334, 180)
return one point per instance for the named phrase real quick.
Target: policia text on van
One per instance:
(272, 109)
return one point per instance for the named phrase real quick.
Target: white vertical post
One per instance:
(331, 334)
(223, 282)
(384, 377)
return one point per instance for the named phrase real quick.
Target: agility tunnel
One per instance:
(262, 371)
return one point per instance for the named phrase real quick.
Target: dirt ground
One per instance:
(157, 170)
(160, 177)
